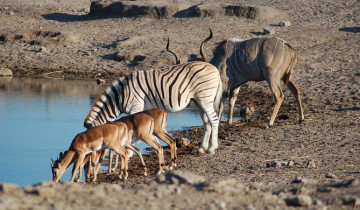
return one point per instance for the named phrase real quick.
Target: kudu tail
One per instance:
(202, 46)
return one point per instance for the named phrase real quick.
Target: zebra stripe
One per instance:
(170, 88)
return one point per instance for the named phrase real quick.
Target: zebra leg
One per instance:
(211, 126)
(232, 100)
(295, 91)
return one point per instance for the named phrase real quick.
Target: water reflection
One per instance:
(40, 117)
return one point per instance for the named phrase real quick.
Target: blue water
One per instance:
(39, 118)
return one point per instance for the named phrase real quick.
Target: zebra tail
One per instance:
(290, 68)
(218, 96)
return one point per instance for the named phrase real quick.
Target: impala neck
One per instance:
(68, 159)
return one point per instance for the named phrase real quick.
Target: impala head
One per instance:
(107, 106)
(56, 169)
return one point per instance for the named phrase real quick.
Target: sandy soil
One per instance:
(57, 39)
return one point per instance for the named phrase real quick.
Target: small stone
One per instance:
(330, 175)
(100, 81)
(310, 164)
(299, 200)
(11, 13)
(300, 180)
(351, 200)
(183, 177)
(42, 49)
(284, 23)
(8, 188)
(351, 183)
(290, 163)
(5, 72)
(184, 142)
(160, 178)
(318, 202)
(269, 31)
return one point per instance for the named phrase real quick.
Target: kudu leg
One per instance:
(232, 100)
(295, 91)
(278, 96)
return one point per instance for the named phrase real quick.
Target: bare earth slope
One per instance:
(255, 166)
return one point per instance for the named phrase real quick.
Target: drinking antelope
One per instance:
(170, 88)
(94, 139)
(255, 59)
(137, 121)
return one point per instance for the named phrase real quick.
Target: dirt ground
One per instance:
(255, 167)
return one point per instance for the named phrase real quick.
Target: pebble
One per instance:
(5, 72)
(299, 200)
(269, 31)
(183, 142)
(300, 180)
(310, 164)
(351, 200)
(330, 175)
(284, 23)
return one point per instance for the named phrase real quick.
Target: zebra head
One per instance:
(106, 107)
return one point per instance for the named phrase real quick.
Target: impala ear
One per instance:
(53, 162)
(61, 155)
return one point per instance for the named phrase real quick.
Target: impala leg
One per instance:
(138, 152)
(169, 140)
(116, 162)
(232, 100)
(111, 154)
(124, 155)
(151, 140)
(98, 165)
(77, 167)
(295, 91)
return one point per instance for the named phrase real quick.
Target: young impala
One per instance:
(94, 139)
(160, 121)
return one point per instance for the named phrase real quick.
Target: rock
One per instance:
(269, 31)
(184, 142)
(42, 49)
(278, 163)
(100, 81)
(180, 177)
(300, 180)
(351, 183)
(284, 23)
(351, 200)
(330, 175)
(8, 188)
(5, 72)
(310, 164)
(299, 200)
(11, 13)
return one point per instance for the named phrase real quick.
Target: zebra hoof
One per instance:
(201, 150)
(211, 151)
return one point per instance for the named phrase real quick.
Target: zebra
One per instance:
(170, 88)
(255, 59)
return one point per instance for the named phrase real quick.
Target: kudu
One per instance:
(255, 59)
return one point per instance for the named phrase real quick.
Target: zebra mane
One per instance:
(90, 118)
